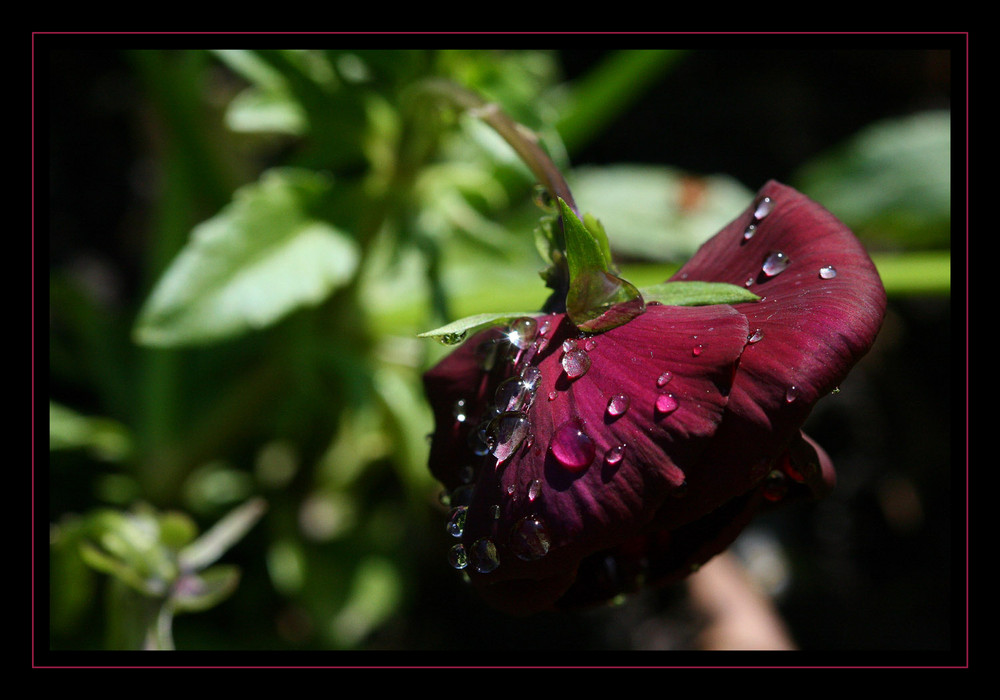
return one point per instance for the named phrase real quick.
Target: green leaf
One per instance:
(697, 293)
(263, 256)
(106, 438)
(456, 331)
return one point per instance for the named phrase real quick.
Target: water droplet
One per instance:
(495, 511)
(791, 393)
(666, 403)
(749, 281)
(763, 208)
(507, 432)
(459, 411)
(510, 489)
(484, 552)
(529, 539)
(696, 350)
(664, 378)
(572, 447)
(828, 272)
(590, 344)
(522, 332)
(530, 377)
(749, 231)
(544, 328)
(614, 454)
(534, 488)
(513, 395)
(618, 404)
(757, 336)
(451, 338)
(569, 344)
(461, 496)
(576, 363)
(479, 441)
(775, 263)
(553, 394)
(456, 523)
(457, 557)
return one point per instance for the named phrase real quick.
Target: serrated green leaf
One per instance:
(697, 293)
(263, 256)
(456, 331)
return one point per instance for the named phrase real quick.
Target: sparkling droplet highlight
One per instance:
(763, 208)
(828, 272)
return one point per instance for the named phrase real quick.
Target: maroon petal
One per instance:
(577, 465)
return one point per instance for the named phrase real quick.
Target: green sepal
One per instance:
(597, 300)
(697, 293)
(456, 331)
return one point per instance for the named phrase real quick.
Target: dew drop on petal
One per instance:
(572, 447)
(775, 263)
(666, 403)
(763, 208)
(569, 344)
(749, 232)
(529, 539)
(534, 488)
(457, 557)
(576, 363)
(553, 394)
(522, 332)
(614, 454)
(756, 337)
(791, 393)
(530, 377)
(456, 523)
(459, 411)
(664, 378)
(618, 404)
(507, 432)
(828, 272)
(484, 553)
(749, 281)
(513, 395)
(590, 344)
(696, 350)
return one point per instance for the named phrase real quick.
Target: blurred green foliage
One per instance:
(311, 217)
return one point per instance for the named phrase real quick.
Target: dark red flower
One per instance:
(579, 466)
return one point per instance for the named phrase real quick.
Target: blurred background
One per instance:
(243, 245)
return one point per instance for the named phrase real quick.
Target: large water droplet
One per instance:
(513, 395)
(775, 263)
(452, 338)
(484, 553)
(576, 363)
(666, 403)
(529, 539)
(828, 272)
(522, 332)
(507, 432)
(479, 441)
(618, 404)
(457, 557)
(456, 523)
(763, 208)
(572, 447)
